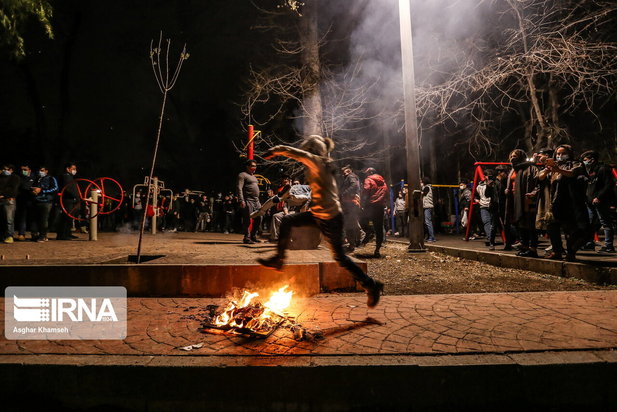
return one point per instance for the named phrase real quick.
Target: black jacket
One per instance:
(601, 184)
(71, 192)
(9, 185)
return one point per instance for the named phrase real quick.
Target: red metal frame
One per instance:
(83, 197)
(103, 195)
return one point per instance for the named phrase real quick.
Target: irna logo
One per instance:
(63, 309)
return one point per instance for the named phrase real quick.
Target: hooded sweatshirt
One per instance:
(375, 190)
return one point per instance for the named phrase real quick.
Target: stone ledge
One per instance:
(594, 274)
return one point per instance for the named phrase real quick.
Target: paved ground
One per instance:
(404, 325)
(184, 247)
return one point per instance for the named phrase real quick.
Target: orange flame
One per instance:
(277, 303)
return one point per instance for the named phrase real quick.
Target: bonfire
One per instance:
(249, 316)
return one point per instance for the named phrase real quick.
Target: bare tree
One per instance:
(551, 60)
(302, 90)
(165, 79)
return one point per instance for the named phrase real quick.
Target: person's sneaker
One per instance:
(42, 239)
(605, 249)
(255, 240)
(374, 294)
(589, 246)
(8, 239)
(247, 241)
(20, 238)
(376, 253)
(431, 240)
(491, 247)
(273, 262)
(554, 256)
(527, 253)
(508, 247)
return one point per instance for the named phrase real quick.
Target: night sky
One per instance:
(90, 95)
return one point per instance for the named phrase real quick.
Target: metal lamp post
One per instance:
(416, 212)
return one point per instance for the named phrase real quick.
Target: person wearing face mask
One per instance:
(600, 196)
(70, 200)
(521, 192)
(567, 191)
(25, 202)
(9, 188)
(545, 219)
(44, 189)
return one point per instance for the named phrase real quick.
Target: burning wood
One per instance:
(247, 316)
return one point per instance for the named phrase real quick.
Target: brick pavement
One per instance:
(181, 247)
(409, 325)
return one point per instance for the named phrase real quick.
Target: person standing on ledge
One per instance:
(248, 196)
(325, 212)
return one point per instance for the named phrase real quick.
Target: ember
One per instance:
(250, 317)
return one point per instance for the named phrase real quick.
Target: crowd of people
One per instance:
(553, 193)
(550, 194)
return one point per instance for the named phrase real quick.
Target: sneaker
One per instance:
(225, 232)
(508, 247)
(8, 239)
(376, 253)
(20, 238)
(274, 262)
(554, 256)
(374, 294)
(527, 253)
(605, 249)
(491, 247)
(431, 240)
(255, 240)
(42, 239)
(549, 249)
(589, 246)
(247, 241)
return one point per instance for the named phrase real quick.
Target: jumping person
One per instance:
(325, 211)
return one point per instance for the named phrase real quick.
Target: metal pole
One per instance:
(251, 143)
(416, 212)
(94, 210)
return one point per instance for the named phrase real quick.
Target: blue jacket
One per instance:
(49, 187)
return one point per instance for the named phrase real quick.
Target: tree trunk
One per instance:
(309, 40)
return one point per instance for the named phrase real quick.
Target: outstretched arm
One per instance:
(302, 156)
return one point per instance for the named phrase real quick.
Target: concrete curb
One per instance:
(595, 274)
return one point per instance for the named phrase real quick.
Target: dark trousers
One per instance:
(352, 227)
(40, 224)
(401, 223)
(23, 215)
(529, 237)
(248, 230)
(554, 234)
(332, 229)
(374, 214)
(65, 221)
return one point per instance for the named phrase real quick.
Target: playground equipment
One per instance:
(101, 196)
(156, 188)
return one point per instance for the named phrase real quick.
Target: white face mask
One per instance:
(73, 172)
(7, 172)
(462, 187)
(42, 174)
